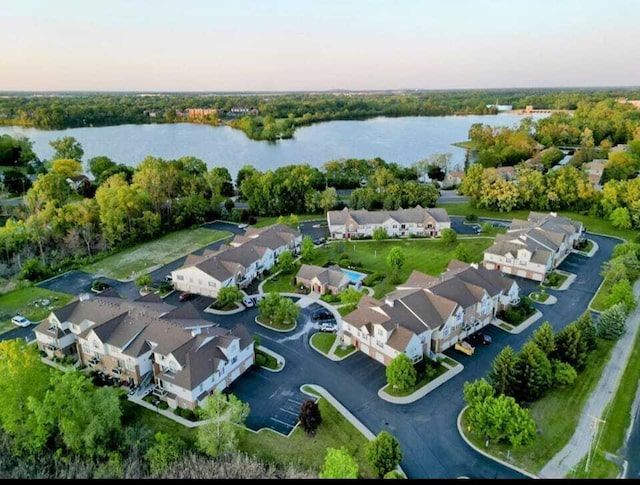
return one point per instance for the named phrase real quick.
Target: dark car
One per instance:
(479, 338)
(322, 315)
(185, 296)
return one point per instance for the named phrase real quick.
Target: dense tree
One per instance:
(143, 281)
(165, 450)
(286, 262)
(612, 322)
(621, 292)
(544, 338)
(24, 379)
(52, 188)
(477, 392)
(449, 236)
(533, 371)
(98, 165)
(563, 373)
(275, 308)
(587, 330)
(339, 463)
(350, 296)
(383, 453)
(15, 182)
(223, 414)
(571, 347)
(66, 147)
(463, 253)
(503, 375)
(621, 218)
(401, 373)
(66, 167)
(307, 249)
(395, 261)
(309, 416)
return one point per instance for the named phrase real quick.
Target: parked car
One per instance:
(322, 315)
(318, 241)
(329, 326)
(185, 296)
(243, 226)
(465, 347)
(479, 338)
(21, 321)
(248, 302)
(168, 278)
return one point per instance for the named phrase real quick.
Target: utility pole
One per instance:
(595, 422)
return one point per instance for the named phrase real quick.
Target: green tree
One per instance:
(66, 147)
(307, 249)
(620, 218)
(449, 236)
(563, 374)
(66, 167)
(544, 338)
(24, 378)
(621, 292)
(285, 262)
(587, 329)
(98, 165)
(328, 199)
(486, 227)
(309, 416)
(383, 453)
(338, 463)
(143, 281)
(224, 414)
(380, 233)
(401, 373)
(395, 261)
(268, 306)
(533, 371)
(463, 253)
(477, 392)
(228, 296)
(571, 347)
(15, 182)
(612, 322)
(287, 312)
(503, 372)
(350, 296)
(165, 450)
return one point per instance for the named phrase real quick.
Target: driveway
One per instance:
(313, 229)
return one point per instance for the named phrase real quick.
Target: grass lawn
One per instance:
(309, 452)
(449, 361)
(345, 310)
(617, 417)
(323, 341)
(22, 301)
(268, 221)
(429, 256)
(591, 223)
(423, 380)
(276, 325)
(539, 296)
(133, 413)
(597, 303)
(349, 349)
(160, 251)
(587, 246)
(556, 414)
(282, 282)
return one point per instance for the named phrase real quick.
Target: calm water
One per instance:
(401, 140)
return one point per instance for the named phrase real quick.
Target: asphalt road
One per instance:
(426, 429)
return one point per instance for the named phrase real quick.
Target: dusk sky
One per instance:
(282, 45)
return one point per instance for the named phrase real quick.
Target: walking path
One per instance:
(592, 414)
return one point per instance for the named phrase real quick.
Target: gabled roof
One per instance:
(332, 276)
(416, 215)
(400, 338)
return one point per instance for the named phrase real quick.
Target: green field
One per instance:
(556, 414)
(309, 452)
(22, 302)
(268, 221)
(282, 282)
(430, 256)
(135, 260)
(597, 304)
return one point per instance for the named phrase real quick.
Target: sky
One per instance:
(306, 45)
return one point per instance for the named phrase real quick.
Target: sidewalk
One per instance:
(578, 447)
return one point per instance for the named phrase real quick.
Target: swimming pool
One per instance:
(354, 276)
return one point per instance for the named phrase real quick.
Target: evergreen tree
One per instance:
(612, 322)
(571, 347)
(588, 329)
(533, 371)
(503, 373)
(309, 416)
(543, 337)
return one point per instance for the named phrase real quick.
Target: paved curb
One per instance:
(275, 329)
(281, 360)
(549, 301)
(424, 390)
(593, 250)
(520, 328)
(329, 355)
(240, 308)
(491, 457)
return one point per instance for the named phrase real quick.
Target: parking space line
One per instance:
(282, 422)
(293, 400)
(286, 411)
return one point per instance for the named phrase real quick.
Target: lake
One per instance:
(401, 140)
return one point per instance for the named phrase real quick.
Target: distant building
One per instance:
(323, 280)
(417, 221)
(500, 107)
(202, 112)
(76, 182)
(594, 171)
(534, 247)
(453, 179)
(634, 102)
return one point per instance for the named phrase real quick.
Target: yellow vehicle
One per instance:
(465, 347)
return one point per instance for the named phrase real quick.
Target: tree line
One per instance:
(278, 114)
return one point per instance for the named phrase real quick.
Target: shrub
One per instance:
(261, 360)
(471, 217)
(373, 279)
(163, 405)
(99, 285)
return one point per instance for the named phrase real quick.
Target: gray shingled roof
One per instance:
(335, 278)
(413, 215)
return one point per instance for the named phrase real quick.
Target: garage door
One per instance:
(379, 357)
(365, 349)
(522, 272)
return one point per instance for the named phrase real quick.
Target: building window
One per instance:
(234, 360)
(379, 343)
(180, 277)
(212, 283)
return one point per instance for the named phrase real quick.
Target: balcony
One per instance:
(159, 391)
(118, 371)
(93, 361)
